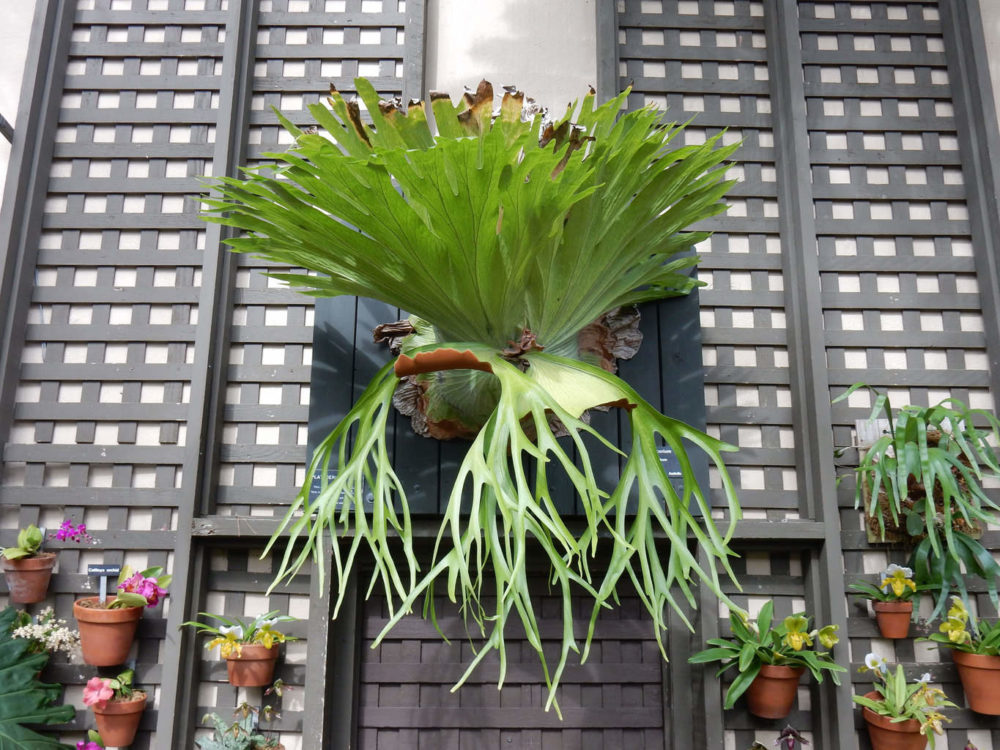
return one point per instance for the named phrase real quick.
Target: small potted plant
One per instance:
(975, 649)
(770, 660)
(891, 600)
(46, 633)
(901, 715)
(107, 628)
(26, 568)
(250, 647)
(117, 707)
(243, 733)
(921, 483)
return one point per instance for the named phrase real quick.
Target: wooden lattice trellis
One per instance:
(159, 389)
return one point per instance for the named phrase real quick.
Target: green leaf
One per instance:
(23, 699)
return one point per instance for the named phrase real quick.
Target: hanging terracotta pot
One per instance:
(887, 735)
(254, 667)
(893, 618)
(980, 677)
(106, 635)
(28, 577)
(772, 693)
(118, 721)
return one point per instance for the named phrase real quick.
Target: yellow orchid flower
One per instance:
(797, 637)
(955, 629)
(828, 636)
(898, 581)
(958, 610)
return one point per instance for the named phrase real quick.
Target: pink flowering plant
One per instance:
(100, 690)
(141, 589)
(93, 742)
(72, 532)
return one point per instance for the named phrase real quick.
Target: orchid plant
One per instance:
(503, 237)
(100, 690)
(902, 701)
(234, 633)
(140, 589)
(897, 585)
(962, 631)
(756, 644)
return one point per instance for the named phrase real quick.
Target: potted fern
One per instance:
(921, 482)
(503, 237)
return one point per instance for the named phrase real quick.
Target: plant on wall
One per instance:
(503, 238)
(923, 478)
(23, 699)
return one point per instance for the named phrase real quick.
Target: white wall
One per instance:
(547, 48)
(14, 31)
(991, 29)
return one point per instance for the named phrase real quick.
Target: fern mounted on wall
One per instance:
(503, 237)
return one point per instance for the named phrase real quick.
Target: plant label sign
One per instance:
(104, 572)
(317, 486)
(672, 467)
(868, 431)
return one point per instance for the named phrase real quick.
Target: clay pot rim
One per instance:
(79, 603)
(976, 661)
(892, 606)
(259, 652)
(38, 557)
(117, 706)
(781, 671)
(910, 726)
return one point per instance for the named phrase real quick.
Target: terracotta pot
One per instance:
(106, 635)
(893, 618)
(980, 677)
(28, 577)
(118, 721)
(887, 735)
(254, 667)
(772, 693)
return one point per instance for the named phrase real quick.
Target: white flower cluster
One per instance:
(47, 633)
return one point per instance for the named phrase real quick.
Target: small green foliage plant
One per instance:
(925, 475)
(29, 543)
(243, 732)
(754, 644)
(503, 237)
(902, 701)
(231, 634)
(24, 700)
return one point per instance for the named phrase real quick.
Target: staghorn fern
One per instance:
(504, 238)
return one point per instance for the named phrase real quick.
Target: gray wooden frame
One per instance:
(818, 536)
